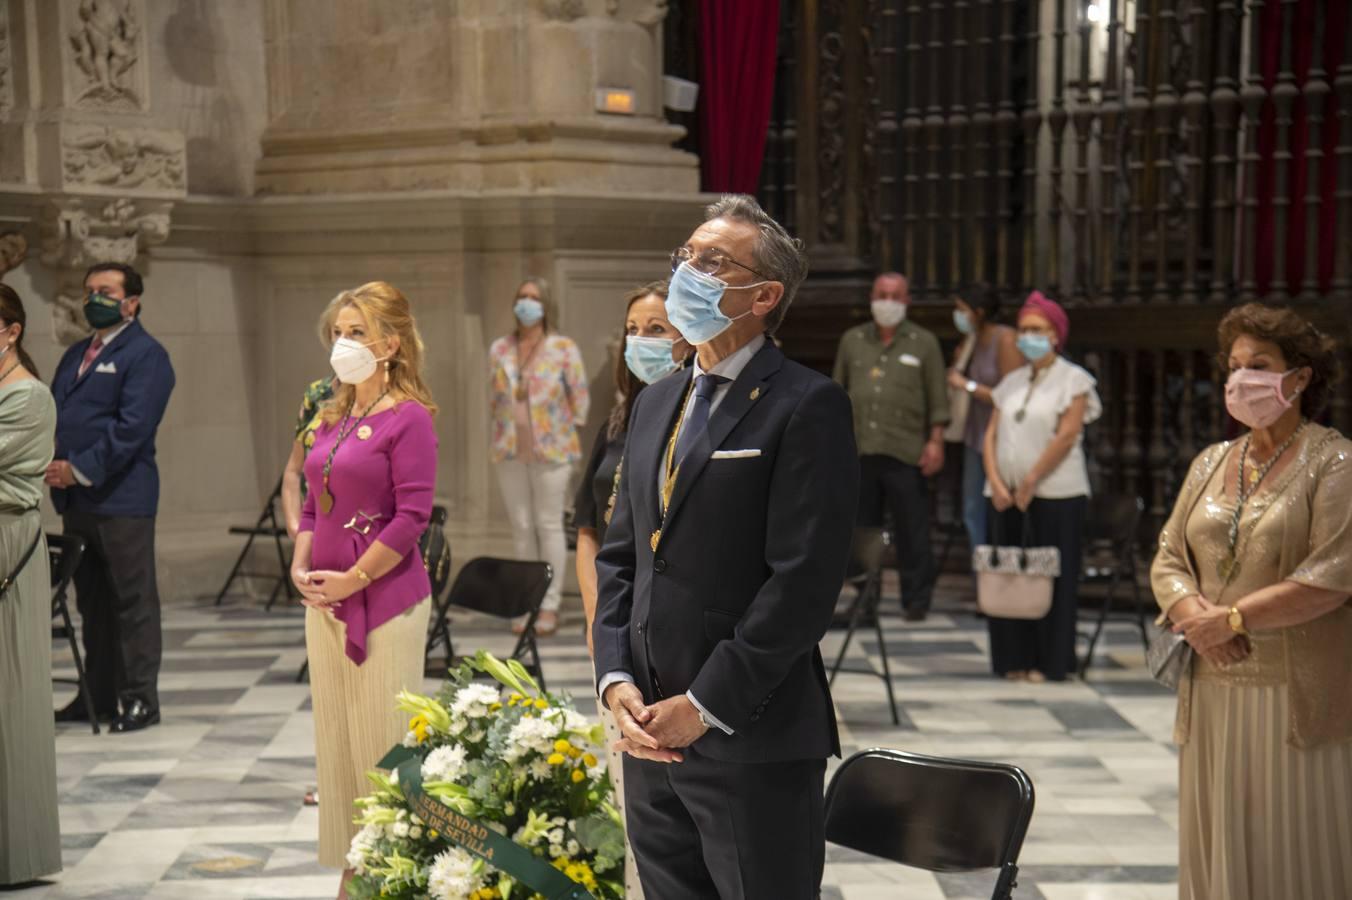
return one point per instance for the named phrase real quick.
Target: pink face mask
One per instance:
(1254, 397)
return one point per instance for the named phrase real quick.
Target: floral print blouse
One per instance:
(556, 394)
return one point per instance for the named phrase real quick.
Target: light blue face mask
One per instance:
(528, 311)
(692, 304)
(962, 322)
(1034, 346)
(649, 358)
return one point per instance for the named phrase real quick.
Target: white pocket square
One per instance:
(735, 454)
(107, 368)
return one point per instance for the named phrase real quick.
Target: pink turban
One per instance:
(1052, 312)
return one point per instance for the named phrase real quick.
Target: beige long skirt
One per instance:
(1258, 818)
(356, 721)
(615, 765)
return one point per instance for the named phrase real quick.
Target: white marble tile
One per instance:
(1071, 891)
(130, 856)
(271, 698)
(150, 766)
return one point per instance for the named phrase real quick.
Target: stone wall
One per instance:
(254, 157)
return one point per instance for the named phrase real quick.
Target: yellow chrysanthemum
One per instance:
(574, 752)
(562, 746)
(588, 760)
(542, 704)
(578, 775)
(494, 707)
(556, 759)
(418, 725)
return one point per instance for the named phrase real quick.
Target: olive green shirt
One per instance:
(899, 390)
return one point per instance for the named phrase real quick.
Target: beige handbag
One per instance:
(959, 401)
(1015, 582)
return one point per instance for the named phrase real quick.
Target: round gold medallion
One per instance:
(364, 432)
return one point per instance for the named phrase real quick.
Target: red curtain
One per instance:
(737, 79)
(1267, 243)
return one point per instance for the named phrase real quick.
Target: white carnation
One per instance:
(530, 735)
(400, 829)
(414, 832)
(362, 846)
(445, 763)
(473, 700)
(452, 875)
(540, 770)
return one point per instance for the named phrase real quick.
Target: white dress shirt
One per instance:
(730, 368)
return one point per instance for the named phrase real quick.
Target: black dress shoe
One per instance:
(916, 614)
(136, 717)
(75, 711)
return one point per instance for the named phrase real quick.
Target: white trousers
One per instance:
(534, 493)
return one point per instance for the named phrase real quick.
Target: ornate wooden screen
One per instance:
(1148, 162)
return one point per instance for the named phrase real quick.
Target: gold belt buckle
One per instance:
(364, 527)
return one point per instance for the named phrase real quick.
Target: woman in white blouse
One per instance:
(1036, 478)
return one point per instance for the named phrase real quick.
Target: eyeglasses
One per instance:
(709, 261)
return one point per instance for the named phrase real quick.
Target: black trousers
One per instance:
(885, 479)
(1047, 644)
(709, 830)
(119, 605)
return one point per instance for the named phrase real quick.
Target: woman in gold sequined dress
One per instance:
(1255, 569)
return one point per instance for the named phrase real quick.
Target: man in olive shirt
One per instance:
(894, 373)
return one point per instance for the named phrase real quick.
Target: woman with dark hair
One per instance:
(987, 353)
(1254, 568)
(30, 837)
(652, 349)
(539, 398)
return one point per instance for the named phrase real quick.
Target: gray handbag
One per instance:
(1168, 656)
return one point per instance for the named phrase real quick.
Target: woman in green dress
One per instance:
(1255, 570)
(30, 838)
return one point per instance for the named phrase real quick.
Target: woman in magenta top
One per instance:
(371, 474)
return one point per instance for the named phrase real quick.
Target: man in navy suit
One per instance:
(721, 569)
(111, 391)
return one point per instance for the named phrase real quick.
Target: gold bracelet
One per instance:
(366, 579)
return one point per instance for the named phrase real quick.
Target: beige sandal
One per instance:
(546, 624)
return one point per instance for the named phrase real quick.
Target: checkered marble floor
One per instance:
(208, 804)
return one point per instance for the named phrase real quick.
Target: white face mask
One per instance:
(352, 362)
(888, 313)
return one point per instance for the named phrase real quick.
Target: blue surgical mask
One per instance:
(692, 304)
(962, 322)
(528, 310)
(1034, 346)
(649, 358)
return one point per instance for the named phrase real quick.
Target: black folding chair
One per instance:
(865, 573)
(1110, 559)
(64, 552)
(505, 588)
(436, 555)
(267, 526)
(943, 815)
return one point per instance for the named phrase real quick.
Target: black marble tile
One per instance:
(110, 788)
(1087, 716)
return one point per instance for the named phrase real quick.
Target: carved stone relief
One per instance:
(80, 231)
(123, 158)
(106, 55)
(6, 64)
(644, 12)
(13, 251)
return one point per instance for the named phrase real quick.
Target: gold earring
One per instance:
(387, 373)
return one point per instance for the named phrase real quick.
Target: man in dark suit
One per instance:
(723, 562)
(111, 391)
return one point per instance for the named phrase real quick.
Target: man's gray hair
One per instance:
(776, 255)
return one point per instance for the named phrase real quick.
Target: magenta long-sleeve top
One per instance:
(382, 488)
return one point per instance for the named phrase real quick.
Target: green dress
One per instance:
(30, 838)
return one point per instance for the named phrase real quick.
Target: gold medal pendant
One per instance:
(364, 433)
(326, 502)
(1227, 568)
(655, 539)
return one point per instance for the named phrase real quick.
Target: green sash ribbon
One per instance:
(493, 848)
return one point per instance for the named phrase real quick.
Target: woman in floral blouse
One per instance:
(539, 398)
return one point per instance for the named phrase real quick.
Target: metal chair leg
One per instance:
(887, 670)
(230, 579)
(81, 681)
(849, 634)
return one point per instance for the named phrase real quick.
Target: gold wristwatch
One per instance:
(1236, 620)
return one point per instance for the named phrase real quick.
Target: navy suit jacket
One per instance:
(106, 422)
(743, 583)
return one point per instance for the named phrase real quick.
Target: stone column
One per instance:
(74, 143)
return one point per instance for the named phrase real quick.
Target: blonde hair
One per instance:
(387, 314)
